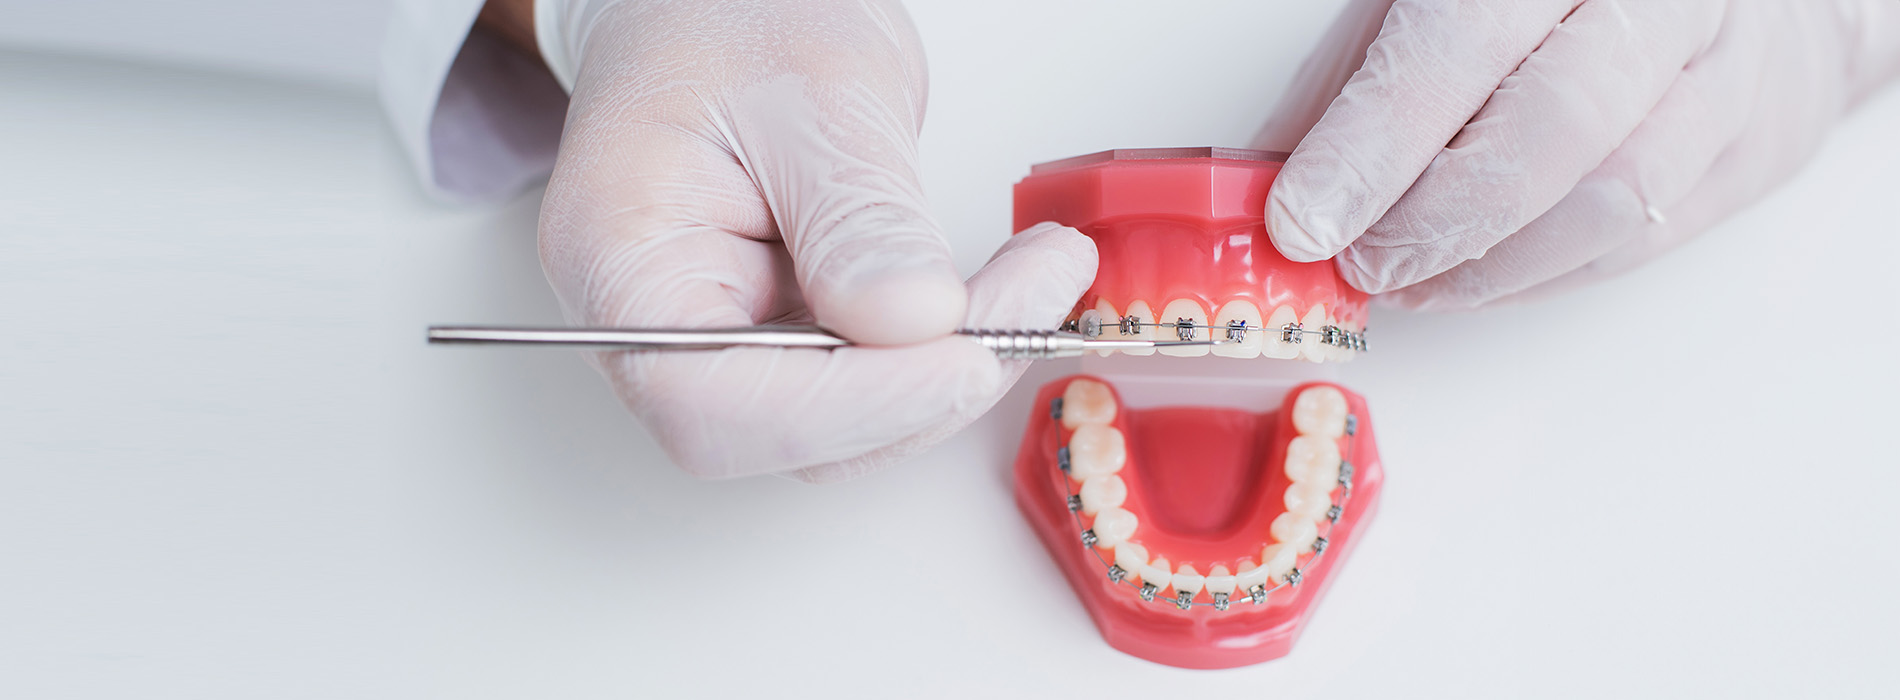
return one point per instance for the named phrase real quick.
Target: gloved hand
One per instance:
(1477, 149)
(729, 164)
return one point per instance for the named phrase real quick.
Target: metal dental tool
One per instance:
(1013, 344)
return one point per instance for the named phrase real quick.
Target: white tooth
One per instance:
(1157, 573)
(1100, 492)
(1193, 316)
(1111, 322)
(1219, 581)
(1250, 575)
(1096, 450)
(1309, 459)
(1295, 530)
(1143, 316)
(1308, 500)
(1131, 558)
(1188, 581)
(1249, 345)
(1313, 322)
(1279, 559)
(1086, 401)
(1275, 344)
(1320, 410)
(1113, 526)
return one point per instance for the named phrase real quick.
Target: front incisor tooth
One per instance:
(1295, 530)
(1096, 450)
(1113, 526)
(1111, 323)
(1131, 557)
(1249, 345)
(1188, 581)
(1143, 330)
(1275, 344)
(1087, 402)
(1309, 500)
(1310, 459)
(1320, 410)
(1278, 560)
(1311, 348)
(1106, 491)
(1219, 581)
(1157, 573)
(1193, 316)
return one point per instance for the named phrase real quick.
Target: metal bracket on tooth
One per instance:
(1332, 514)
(1237, 331)
(1089, 538)
(1075, 503)
(1116, 573)
(1062, 458)
(1147, 591)
(1352, 424)
(1128, 324)
(1319, 545)
(1220, 601)
(1184, 329)
(1291, 333)
(1293, 577)
(1055, 409)
(1258, 593)
(1345, 473)
(1183, 600)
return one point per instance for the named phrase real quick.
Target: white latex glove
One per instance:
(728, 164)
(1481, 148)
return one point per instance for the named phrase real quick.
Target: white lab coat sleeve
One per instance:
(479, 119)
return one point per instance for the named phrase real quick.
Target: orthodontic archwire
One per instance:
(1221, 601)
(1236, 331)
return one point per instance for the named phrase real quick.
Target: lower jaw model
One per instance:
(1199, 511)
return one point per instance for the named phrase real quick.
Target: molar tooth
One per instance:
(1113, 526)
(1274, 345)
(1111, 322)
(1278, 560)
(1157, 573)
(1096, 450)
(1250, 341)
(1320, 411)
(1108, 491)
(1295, 531)
(1314, 320)
(1086, 402)
(1308, 500)
(1188, 581)
(1142, 331)
(1131, 557)
(1219, 581)
(1311, 458)
(1250, 575)
(1195, 315)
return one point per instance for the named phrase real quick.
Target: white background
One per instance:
(229, 467)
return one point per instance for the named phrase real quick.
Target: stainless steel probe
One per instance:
(1016, 344)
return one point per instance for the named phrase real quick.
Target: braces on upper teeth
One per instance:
(1340, 495)
(1236, 331)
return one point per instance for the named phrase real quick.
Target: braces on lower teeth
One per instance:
(1236, 331)
(1258, 593)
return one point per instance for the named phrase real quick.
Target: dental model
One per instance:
(1196, 536)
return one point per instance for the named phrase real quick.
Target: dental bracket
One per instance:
(1237, 330)
(1147, 592)
(1291, 333)
(1293, 577)
(1062, 458)
(1116, 573)
(1220, 601)
(1333, 513)
(1075, 504)
(1352, 422)
(1089, 538)
(1128, 324)
(1183, 600)
(1055, 412)
(1184, 328)
(1319, 545)
(1345, 474)
(1258, 593)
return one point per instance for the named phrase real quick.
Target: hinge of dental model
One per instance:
(1236, 331)
(1258, 593)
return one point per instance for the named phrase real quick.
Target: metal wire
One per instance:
(1336, 336)
(1347, 475)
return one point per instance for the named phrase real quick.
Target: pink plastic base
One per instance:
(1200, 637)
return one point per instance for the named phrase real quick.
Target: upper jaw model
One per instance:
(1199, 508)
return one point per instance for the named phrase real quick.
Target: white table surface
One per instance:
(229, 468)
